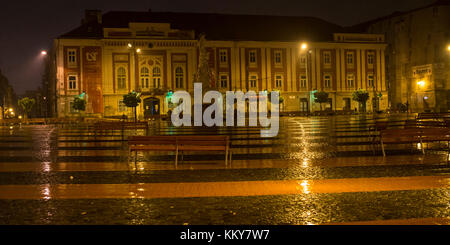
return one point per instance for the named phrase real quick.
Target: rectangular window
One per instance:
(252, 57)
(370, 80)
(223, 56)
(278, 58)
(350, 58)
(327, 58)
(350, 81)
(121, 106)
(72, 82)
(370, 58)
(252, 81)
(71, 57)
(121, 77)
(223, 81)
(327, 81)
(278, 81)
(303, 81)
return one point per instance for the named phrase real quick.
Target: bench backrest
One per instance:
(120, 124)
(203, 140)
(415, 132)
(408, 132)
(179, 140)
(152, 140)
(433, 115)
(441, 132)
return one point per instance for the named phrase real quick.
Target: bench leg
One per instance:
(129, 155)
(382, 149)
(226, 158)
(176, 157)
(135, 161)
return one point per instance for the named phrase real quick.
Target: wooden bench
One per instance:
(427, 123)
(400, 136)
(435, 134)
(180, 143)
(414, 135)
(433, 115)
(122, 126)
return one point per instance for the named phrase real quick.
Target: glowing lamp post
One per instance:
(304, 49)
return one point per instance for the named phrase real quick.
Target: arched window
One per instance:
(145, 74)
(121, 78)
(156, 77)
(179, 77)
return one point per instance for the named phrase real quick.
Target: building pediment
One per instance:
(148, 31)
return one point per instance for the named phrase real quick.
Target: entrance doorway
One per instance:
(304, 105)
(347, 104)
(375, 104)
(329, 105)
(151, 107)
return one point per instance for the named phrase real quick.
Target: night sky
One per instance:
(27, 27)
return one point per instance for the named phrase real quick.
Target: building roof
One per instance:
(219, 26)
(362, 27)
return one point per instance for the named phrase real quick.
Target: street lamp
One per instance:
(304, 49)
(421, 83)
(43, 53)
(304, 46)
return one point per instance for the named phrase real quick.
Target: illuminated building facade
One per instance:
(417, 56)
(158, 53)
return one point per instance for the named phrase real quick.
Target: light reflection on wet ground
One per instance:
(306, 149)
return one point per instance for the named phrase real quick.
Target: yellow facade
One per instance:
(155, 66)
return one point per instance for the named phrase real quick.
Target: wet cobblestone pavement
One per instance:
(322, 157)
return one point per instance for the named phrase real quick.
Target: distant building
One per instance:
(156, 53)
(417, 56)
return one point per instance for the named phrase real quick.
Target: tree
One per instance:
(361, 96)
(26, 104)
(79, 104)
(321, 97)
(132, 100)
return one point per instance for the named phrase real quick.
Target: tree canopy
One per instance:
(27, 104)
(79, 104)
(361, 96)
(321, 97)
(131, 99)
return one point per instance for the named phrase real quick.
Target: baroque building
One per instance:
(157, 53)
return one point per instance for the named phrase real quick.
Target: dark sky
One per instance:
(27, 27)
